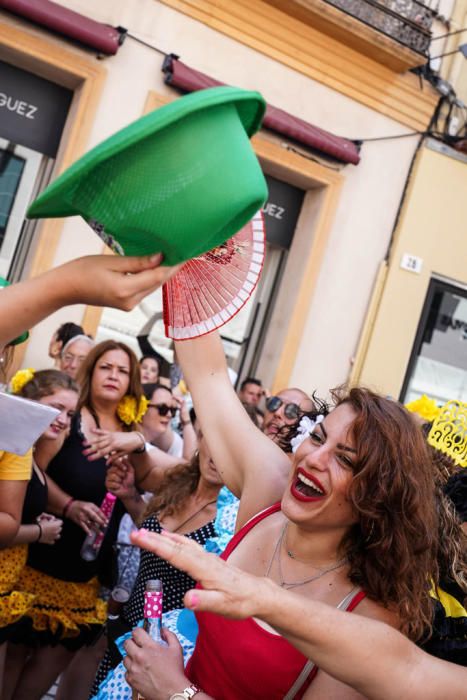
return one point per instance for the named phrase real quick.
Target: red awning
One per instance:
(181, 76)
(71, 24)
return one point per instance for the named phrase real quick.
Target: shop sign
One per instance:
(281, 212)
(32, 110)
(455, 324)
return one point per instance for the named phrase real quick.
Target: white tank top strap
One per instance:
(345, 602)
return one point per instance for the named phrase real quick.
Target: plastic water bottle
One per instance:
(120, 594)
(115, 627)
(152, 622)
(93, 542)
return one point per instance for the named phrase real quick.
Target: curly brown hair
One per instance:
(87, 369)
(392, 549)
(177, 485)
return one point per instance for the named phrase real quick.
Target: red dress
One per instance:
(238, 659)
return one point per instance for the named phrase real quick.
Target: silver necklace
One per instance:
(303, 561)
(294, 584)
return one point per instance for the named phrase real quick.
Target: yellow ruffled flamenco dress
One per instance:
(15, 603)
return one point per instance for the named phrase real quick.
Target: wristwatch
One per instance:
(186, 694)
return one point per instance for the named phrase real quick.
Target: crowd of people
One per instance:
(339, 528)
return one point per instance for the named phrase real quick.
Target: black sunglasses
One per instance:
(163, 409)
(291, 410)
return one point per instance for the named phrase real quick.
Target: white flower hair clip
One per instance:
(304, 430)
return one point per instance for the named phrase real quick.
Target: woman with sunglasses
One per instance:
(282, 411)
(157, 422)
(352, 522)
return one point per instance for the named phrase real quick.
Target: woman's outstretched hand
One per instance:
(226, 590)
(110, 280)
(111, 444)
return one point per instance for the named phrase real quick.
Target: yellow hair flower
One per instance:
(142, 408)
(182, 387)
(22, 377)
(425, 407)
(129, 411)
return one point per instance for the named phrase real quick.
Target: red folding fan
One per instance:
(210, 289)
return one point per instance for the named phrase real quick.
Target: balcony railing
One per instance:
(406, 21)
(395, 33)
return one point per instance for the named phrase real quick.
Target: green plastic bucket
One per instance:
(180, 181)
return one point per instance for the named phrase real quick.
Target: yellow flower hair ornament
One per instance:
(129, 411)
(22, 377)
(425, 407)
(183, 387)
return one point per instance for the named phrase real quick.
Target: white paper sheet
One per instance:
(22, 422)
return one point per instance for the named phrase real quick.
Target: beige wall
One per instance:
(433, 227)
(370, 192)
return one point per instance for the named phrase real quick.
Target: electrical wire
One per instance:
(389, 138)
(145, 43)
(358, 142)
(308, 156)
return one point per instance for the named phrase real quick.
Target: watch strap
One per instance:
(186, 694)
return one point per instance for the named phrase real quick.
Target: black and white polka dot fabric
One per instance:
(175, 583)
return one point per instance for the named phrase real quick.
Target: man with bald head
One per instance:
(282, 409)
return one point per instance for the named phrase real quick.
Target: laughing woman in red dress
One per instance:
(351, 523)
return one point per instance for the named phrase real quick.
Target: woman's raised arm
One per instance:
(251, 465)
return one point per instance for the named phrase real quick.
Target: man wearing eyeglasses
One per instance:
(74, 353)
(283, 409)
